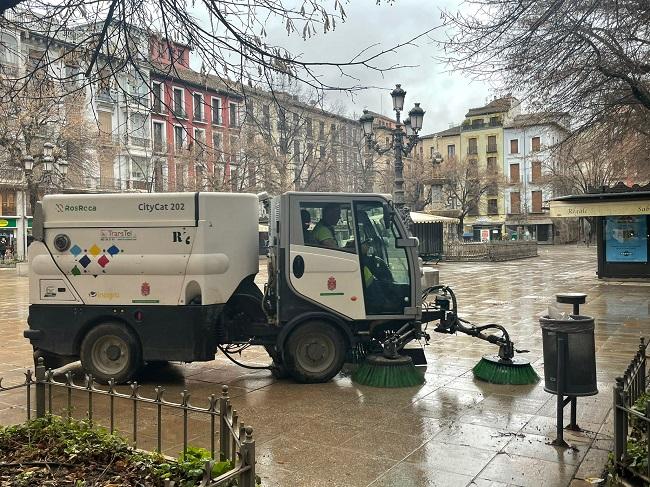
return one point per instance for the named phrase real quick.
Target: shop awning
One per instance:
(593, 207)
(419, 217)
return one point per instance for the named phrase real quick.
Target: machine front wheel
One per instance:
(315, 352)
(111, 351)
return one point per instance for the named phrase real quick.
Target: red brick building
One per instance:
(195, 123)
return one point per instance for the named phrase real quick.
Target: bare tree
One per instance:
(228, 38)
(465, 183)
(589, 58)
(596, 158)
(45, 114)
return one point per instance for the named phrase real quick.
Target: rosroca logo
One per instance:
(59, 207)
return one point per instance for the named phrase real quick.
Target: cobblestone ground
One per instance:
(452, 431)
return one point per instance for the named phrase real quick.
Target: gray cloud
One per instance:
(444, 95)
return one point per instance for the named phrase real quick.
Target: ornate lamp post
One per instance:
(402, 142)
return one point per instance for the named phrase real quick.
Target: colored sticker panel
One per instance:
(75, 250)
(85, 261)
(112, 250)
(94, 250)
(626, 239)
(103, 261)
(75, 271)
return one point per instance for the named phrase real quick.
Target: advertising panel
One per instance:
(626, 239)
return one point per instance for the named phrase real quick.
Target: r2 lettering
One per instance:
(180, 237)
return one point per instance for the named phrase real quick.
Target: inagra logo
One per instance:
(331, 283)
(145, 289)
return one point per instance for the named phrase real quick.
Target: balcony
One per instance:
(106, 96)
(139, 141)
(136, 99)
(157, 107)
(179, 112)
(198, 117)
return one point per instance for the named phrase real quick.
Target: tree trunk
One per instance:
(461, 227)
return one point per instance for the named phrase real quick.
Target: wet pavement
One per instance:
(452, 431)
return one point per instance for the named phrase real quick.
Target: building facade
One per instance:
(528, 147)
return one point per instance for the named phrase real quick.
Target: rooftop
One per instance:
(497, 105)
(539, 118)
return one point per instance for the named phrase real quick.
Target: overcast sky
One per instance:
(444, 96)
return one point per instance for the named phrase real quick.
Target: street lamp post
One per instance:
(402, 142)
(50, 169)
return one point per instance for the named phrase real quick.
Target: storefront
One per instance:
(540, 230)
(485, 228)
(14, 232)
(621, 215)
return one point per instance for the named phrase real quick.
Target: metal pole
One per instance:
(620, 420)
(399, 167)
(561, 350)
(40, 388)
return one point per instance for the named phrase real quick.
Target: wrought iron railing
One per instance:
(230, 439)
(627, 390)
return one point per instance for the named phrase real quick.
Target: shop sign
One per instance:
(7, 223)
(601, 208)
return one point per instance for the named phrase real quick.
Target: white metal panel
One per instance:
(332, 278)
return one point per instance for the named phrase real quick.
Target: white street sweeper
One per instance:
(120, 280)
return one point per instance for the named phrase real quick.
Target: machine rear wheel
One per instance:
(315, 352)
(111, 351)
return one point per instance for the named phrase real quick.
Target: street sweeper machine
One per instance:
(120, 280)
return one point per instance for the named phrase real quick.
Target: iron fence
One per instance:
(492, 251)
(230, 439)
(627, 390)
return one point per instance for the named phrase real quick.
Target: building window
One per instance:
(157, 92)
(451, 150)
(477, 123)
(473, 146)
(217, 146)
(216, 111)
(296, 150)
(492, 143)
(473, 209)
(179, 110)
(8, 197)
(199, 140)
(308, 128)
(514, 146)
(179, 137)
(492, 166)
(494, 121)
(105, 124)
(514, 173)
(537, 201)
(493, 208)
(334, 133)
(198, 106)
(535, 144)
(321, 150)
(321, 130)
(234, 121)
(158, 136)
(536, 172)
(515, 203)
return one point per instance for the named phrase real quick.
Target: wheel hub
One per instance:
(113, 352)
(316, 351)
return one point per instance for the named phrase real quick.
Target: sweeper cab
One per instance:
(120, 280)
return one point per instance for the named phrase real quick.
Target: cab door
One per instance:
(386, 257)
(323, 264)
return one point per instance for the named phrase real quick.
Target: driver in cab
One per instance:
(323, 233)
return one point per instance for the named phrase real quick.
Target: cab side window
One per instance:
(328, 225)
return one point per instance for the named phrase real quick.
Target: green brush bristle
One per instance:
(378, 371)
(519, 372)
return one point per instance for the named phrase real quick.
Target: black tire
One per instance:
(314, 352)
(111, 351)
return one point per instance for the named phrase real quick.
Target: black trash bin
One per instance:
(579, 364)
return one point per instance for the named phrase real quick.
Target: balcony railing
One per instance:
(472, 151)
(107, 96)
(139, 141)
